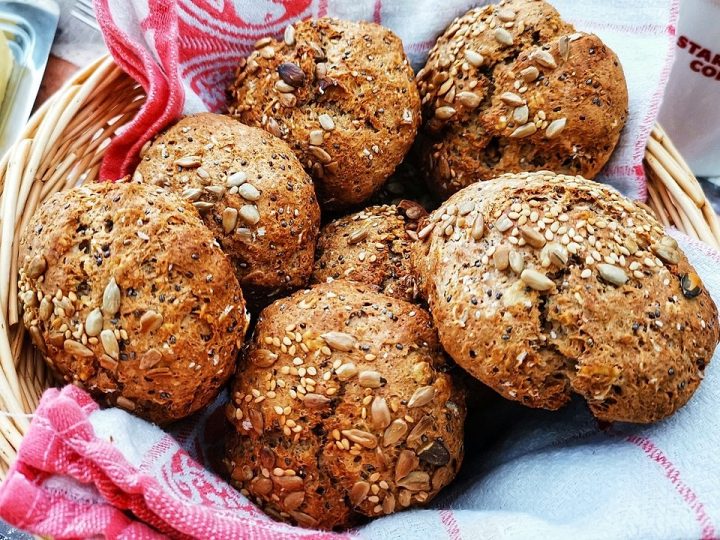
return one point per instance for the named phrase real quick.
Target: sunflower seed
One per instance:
(111, 298)
(445, 112)
(468, 99)
(370, 379)
(150, 359)
(524, 131)
(421, 397)
(316, 137)
(203, 206)
(202, 173)
(612, 274)
(394, 432)
(229, 219)
(192, 194)
(249, 214)
(418, 434)
(357, 236)
(478, 227)
(358, 492)
(291, 74)
(315, 401)
(506, 15)
(363, 438)
(340, 341)
(267, 52)
(532, 237)
(425, 231)
(289, 483)
(666, 253)
(501, 257)
(564, 47)
(320, 154)
(536, 280)
(529, 74)
(388, 504)
(691, 285)
(502, 36)
(262, 486)
(415, 481)
(188, 161)
(326, 122)
(555, 128)
(237, 179)
(46, 309)
(544, 58)
(37, 338)
(257, 422)
(521, 114)
(262, 42)
(37, 267)
(557, 254)
(517, 262)
(263, 358)
(435, 453)
(406, 463)
(150, 321)
(380, 413)
(110, 344)
(405, 498)
(249, 192)
(304, 519)
(283, 87)
(509, 98)
(77, 349)
(503, 223)
(474, 58)
(289, 35)
(445, 87)
(294, 500)
(125, 403)
(346, 371)
(94, 322)
(273, 127)
(442, 477)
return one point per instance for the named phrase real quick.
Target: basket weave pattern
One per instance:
(62, 146)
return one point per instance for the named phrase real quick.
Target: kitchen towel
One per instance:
(184, 53)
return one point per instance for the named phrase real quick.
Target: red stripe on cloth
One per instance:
(451, 525)
(672, 473)
(323, 8)
(646, 29)
(377, 12)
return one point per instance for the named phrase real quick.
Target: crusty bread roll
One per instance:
(545, 285)
(343, 96)
(341, 408)
(512, 87)
(126, 293)
(371, 246)
(250, 190)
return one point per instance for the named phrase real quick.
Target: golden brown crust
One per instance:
(341, 408)
(127, 294)
(509, 88)
(342, 94)
(566, 287)
(371, 246)
(252, 193)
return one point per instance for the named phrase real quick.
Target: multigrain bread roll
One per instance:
(371, 246)
(545, 285)
(512, 87)
(126, 293)
(341, 94)
(250, 190)
(341, 408)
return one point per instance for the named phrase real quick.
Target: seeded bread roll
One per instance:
(341, 94)
(342, 408)
(250, 190)
(511, 87)
(542, 286)
(126, 294)
(371, 246)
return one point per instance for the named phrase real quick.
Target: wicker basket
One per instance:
(63, 145)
